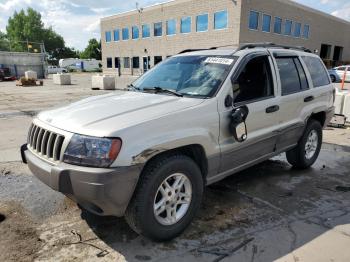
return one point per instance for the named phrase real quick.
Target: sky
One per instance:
(79, 20)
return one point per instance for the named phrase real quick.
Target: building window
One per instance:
(278, 25)
(186, 25)
(306, 31)
(338, 53)
(126, 62)
(266, 26)
(202, 23)
(288, 27)
(108, 36)
(171, 27)
(117, 62)
(116, 34)
(325, 52)
(136, 62)
(125, 33)
(135, 32)
(297, 30)
(157, 59)
(109, 62)
(146, 31)
(158, 29)
(254, 20)
(220, 20)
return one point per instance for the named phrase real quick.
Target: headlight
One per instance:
(92, 151)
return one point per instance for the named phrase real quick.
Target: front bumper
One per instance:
(103, 191)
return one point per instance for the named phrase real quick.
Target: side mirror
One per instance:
(238, 125)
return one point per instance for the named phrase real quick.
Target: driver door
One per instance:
(253, 86)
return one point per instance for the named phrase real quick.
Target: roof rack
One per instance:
(271, 45)
(195, 50)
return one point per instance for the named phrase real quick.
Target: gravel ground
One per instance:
(268, 212)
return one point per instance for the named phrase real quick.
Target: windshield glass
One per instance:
(188, 75)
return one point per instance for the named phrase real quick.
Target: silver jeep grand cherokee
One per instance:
(192, 120)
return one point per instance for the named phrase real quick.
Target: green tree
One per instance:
(4, 43)
(27, 26)
(93, 50)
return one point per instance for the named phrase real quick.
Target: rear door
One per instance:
(253, 86)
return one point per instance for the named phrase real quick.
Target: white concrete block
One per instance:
(106, 82)
(31, 75)
(62, 79)
(346, 107)
(339, 101)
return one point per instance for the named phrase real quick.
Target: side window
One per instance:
(317, 71)
(292, 75)
(254, 82)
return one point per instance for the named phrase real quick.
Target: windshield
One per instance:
(188, 75)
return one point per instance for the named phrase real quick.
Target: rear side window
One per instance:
(293, 78)
(317, 71)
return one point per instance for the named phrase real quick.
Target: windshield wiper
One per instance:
(158, 89)
(133, 87)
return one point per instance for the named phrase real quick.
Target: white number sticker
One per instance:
(218, 60)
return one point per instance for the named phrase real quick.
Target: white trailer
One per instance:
(80, 64)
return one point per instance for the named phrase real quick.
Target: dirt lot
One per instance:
(269, 212)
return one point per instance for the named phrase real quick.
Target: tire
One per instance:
(140, 214)
(301, 158)
(333, 78)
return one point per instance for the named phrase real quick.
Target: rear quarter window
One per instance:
(317, 71)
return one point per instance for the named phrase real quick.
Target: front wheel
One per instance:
(333, 78)
(167, 198)
(306, 153)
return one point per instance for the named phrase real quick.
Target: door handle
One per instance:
(272, 109)
(309, 99)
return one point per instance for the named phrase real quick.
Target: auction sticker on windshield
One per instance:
(219, 60)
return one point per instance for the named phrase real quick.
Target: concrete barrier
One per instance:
(346, 107)
(105, 82)
(31, 75)
(62, 79)
(339, 101)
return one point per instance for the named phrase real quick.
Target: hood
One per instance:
(106, 114)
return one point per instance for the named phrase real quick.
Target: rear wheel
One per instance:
(167, 198)
(306, 153)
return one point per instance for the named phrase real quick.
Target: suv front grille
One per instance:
(45, 143)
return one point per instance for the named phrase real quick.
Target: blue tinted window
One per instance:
(186, 25)
(254, 20)
(288, 27)
(202, 23)
(108, 36)
(171, 27)
(306, 31)
(135, 32)
(146, 31)
(266, 27)
(158, 29)
(125, 33)
(278, 25)
(297, 29)
(220, 20)
(116, 34)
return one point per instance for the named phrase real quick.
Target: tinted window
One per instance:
(171, 27)
(116, 62)
(317, 71)
(254, 82)
(202, 23)
(136, 62)
(278, 25)
(116, 35)
(146, 31)
(158, 29)
(220, 20)
(125, 33)
(288, 27)
(253, 20)
(126, 62)
(292, 75)
(266, 27)
(135, 32)
(297, 29)
(306, 31)
(157, 59)
(186, 25)
(108, 36)
(109, 62)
